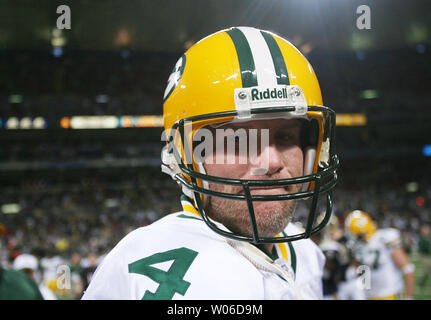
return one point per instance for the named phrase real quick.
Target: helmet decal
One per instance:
(175, 76)
(245, 58)
(260, 59)
(277, 58)
(362, 222)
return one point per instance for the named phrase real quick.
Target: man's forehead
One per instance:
(265, 124)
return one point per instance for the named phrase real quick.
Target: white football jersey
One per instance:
(49, 266)
(352, 288)
(386, 278)
(348, 289)
(179, 257)
(310, 262)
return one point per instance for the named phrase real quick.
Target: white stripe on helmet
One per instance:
(265, 71)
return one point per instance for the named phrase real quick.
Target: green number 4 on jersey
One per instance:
(170, 281)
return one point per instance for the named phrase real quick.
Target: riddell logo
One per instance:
(268, 94)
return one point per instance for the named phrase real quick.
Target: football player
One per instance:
(234, 238)
(339, 282)
(391, 273)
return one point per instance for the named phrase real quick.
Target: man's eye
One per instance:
(287, 138)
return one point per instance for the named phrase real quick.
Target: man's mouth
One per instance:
(267, 190)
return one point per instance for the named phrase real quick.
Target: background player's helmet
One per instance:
(333, 222)
(332, 226)
(244, 74)
(358, 224)
(25, 261)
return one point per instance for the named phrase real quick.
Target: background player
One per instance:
(382, 252)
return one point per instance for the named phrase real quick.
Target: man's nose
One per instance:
(269, 161)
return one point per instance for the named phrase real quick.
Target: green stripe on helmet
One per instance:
(245, 58)
(277, 58)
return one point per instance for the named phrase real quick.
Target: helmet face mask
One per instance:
(193, 179)
(289, 101)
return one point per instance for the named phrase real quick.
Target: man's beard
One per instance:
(272, 217)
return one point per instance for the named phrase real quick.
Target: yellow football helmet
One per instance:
(242, 74)
(359, 224)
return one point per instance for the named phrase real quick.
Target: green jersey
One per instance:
(16, 285)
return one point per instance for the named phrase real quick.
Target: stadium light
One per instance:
(127, 122)
(25, 123)
(122, 38)
(351, 119)
(369, 94)
(65, 122)
(39, 123)
(57, 52)
(94, 122)
(12, 123)
(150, 121)
(420, 201)
(412, 187)
(58, 41)
(427, 150)
(15, 98)
(10, 208)
(112, 203)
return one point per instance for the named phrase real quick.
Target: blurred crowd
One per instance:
(129, 82)
(76, 150)
(95, 83)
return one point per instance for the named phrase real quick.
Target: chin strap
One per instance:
(262, 262)
(170, 167)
